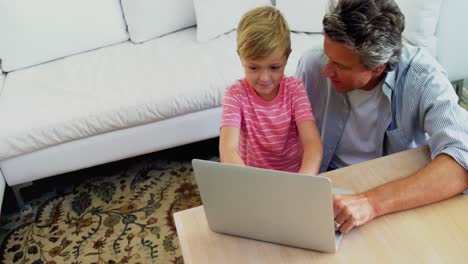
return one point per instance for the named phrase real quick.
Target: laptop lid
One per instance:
(273, 206)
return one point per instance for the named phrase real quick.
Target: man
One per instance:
(371, 96)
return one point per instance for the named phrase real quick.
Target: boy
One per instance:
(267, 120)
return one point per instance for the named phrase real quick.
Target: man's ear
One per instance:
(377, 71)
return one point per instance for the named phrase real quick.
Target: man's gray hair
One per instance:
(372, 28)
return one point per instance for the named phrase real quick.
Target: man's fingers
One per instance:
(351, 211)
(337, 205)
(347, 226)
(342, 217)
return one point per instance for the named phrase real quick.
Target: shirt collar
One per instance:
(389, 84)
(390, 79)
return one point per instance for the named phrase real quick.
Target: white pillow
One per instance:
(421, 18)
(147, 19)
(304, 15)
(216, 17)
(38, 31)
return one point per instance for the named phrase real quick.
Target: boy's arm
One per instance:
(229, 145)
(313, 150)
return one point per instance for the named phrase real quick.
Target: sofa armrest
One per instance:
(452, 38)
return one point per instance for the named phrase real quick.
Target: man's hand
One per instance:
(351, 211)
(440, 179)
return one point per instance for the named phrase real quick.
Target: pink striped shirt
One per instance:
(268, 130)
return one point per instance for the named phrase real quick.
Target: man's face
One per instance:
(345, 70)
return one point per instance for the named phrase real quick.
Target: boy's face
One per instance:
(264, 75)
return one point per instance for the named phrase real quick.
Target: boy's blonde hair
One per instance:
(262, 31)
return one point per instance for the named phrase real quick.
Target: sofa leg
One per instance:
(24, 208)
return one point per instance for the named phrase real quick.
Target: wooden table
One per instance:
(436, 233)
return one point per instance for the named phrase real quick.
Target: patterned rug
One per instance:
(125, 218)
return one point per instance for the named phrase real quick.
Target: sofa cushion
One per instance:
(147, 19)
(34, 31)
(421, 17)
(216, 17)
(121, 86)
(303, 15)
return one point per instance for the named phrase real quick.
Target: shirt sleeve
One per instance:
(231, 114)
(301, 104)
(443, 119)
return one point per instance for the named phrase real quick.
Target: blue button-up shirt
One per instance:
(422, 108)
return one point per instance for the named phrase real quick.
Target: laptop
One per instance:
(273, 206)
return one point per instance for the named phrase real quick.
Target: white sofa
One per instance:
(88, 82)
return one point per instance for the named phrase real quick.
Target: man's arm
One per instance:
(442, 178)
(439, 115)
(313, 150)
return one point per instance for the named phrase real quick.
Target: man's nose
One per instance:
(328, 71)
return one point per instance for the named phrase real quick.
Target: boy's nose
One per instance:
(264, 76)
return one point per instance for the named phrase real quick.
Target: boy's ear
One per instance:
(241, 61)
(288, 53)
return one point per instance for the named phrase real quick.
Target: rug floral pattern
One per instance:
(125, 218)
